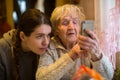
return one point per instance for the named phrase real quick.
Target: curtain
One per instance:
(107, 26)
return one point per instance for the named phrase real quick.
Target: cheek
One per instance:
(34, 43)
(62, 34)
(62, 31)
(78, 29)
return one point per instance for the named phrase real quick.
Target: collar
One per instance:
(56, 43)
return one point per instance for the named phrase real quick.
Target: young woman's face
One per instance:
(38, 41)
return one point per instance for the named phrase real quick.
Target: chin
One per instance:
(72, 40)
(41, 53)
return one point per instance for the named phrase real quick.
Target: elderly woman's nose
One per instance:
(71, 25)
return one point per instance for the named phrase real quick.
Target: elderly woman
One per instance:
(68, 49)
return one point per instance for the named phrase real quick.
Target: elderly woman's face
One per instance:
(69, 28)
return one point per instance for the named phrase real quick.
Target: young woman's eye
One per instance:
(40, 36)
(49, 35)
(43, 36)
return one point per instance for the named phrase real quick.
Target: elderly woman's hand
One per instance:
(76, 52)
(91, 45)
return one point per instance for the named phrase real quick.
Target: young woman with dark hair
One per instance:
(30, 39)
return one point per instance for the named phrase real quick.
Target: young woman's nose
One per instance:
(46, 41)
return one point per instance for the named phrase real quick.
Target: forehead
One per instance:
(44, 28)
(68, 14)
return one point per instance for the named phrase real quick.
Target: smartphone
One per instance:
(88, 25)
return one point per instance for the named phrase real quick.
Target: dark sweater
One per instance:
(27, 61)
(27, 66)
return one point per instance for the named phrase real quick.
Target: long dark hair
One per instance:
(29, 20)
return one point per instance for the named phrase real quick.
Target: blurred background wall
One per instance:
(14, 8)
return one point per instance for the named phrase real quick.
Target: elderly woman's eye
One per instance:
(75, 22)
(65, 22)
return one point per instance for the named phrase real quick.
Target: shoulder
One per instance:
(9, 36)
(5, 47)
(55, 43)
(6, 41)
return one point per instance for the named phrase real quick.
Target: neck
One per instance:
(24, 47)
(68, 45)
